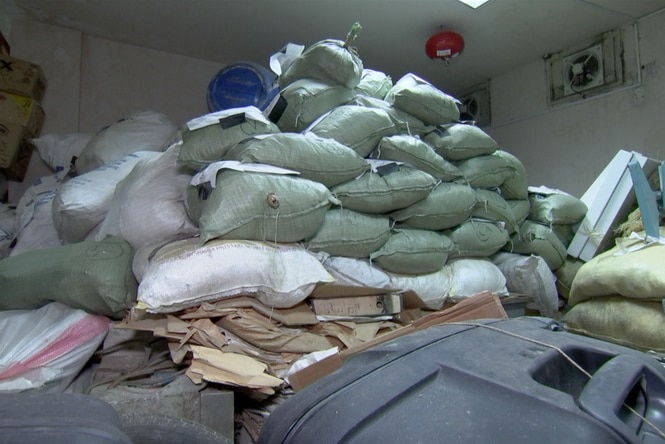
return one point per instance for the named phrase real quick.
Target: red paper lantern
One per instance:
(444, 45)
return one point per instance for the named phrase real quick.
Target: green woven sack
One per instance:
(491, 206)
(95, 276)
(415, 152)
(304, 101)
(327, 60)
(374, 83)
(208, 138)
(449, 204)
(404, 122)
(413, 251)
(534, 238)
(322, 160)
(423, 100)
(358, 127)
(517, 185)
(389, 188)
(477, 238)
(258, 206)
(350, 233)
(489, 171)
(460, 141)
(519, 208)
(556, 207)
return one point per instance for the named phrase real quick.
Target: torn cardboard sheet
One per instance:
(300, 314)
(484, 305)
(267, 334)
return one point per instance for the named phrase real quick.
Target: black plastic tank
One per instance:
(521, 380)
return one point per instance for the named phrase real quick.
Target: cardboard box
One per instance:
(353, 306)
(11, 135)
(17, 171)
(609, 200)
(4, 45)
(22, 110)
(22, 77)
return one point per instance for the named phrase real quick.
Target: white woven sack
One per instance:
(143, 131)
(7, 227)
(431, 289)
(44, 350)
(81, 202)
(185, 274)
(532, 276)
(148, 204)
(34, 223)
(59, 150)
(470, 276)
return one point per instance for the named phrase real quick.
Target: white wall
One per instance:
(93, 82)
(567, 146)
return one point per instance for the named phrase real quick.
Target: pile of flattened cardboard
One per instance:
(241, 343)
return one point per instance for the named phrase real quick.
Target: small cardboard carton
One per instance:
(346, 301)
(18, 170)
(11, 135)
(22, 77)
(22, 110)
(4, 45)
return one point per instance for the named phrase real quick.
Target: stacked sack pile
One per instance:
(223, 228)
(547, 224)
(617, 296)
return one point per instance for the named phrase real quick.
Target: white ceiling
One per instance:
(498, 36)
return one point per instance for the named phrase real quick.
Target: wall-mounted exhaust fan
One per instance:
(475, 106)
(600, 65)
(583, 70)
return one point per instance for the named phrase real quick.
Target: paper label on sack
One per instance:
(546, 190)
(281, 60)
(309, 359)
(209, 174)
(640, 241)
(379, 166)
(250, 112)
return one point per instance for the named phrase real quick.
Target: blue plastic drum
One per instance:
(242, 84)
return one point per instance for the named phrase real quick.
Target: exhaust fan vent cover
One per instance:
(583, 70)
(603, 64)
(476, 105)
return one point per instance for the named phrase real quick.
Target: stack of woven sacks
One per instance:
(618, 295)
(347, 178)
